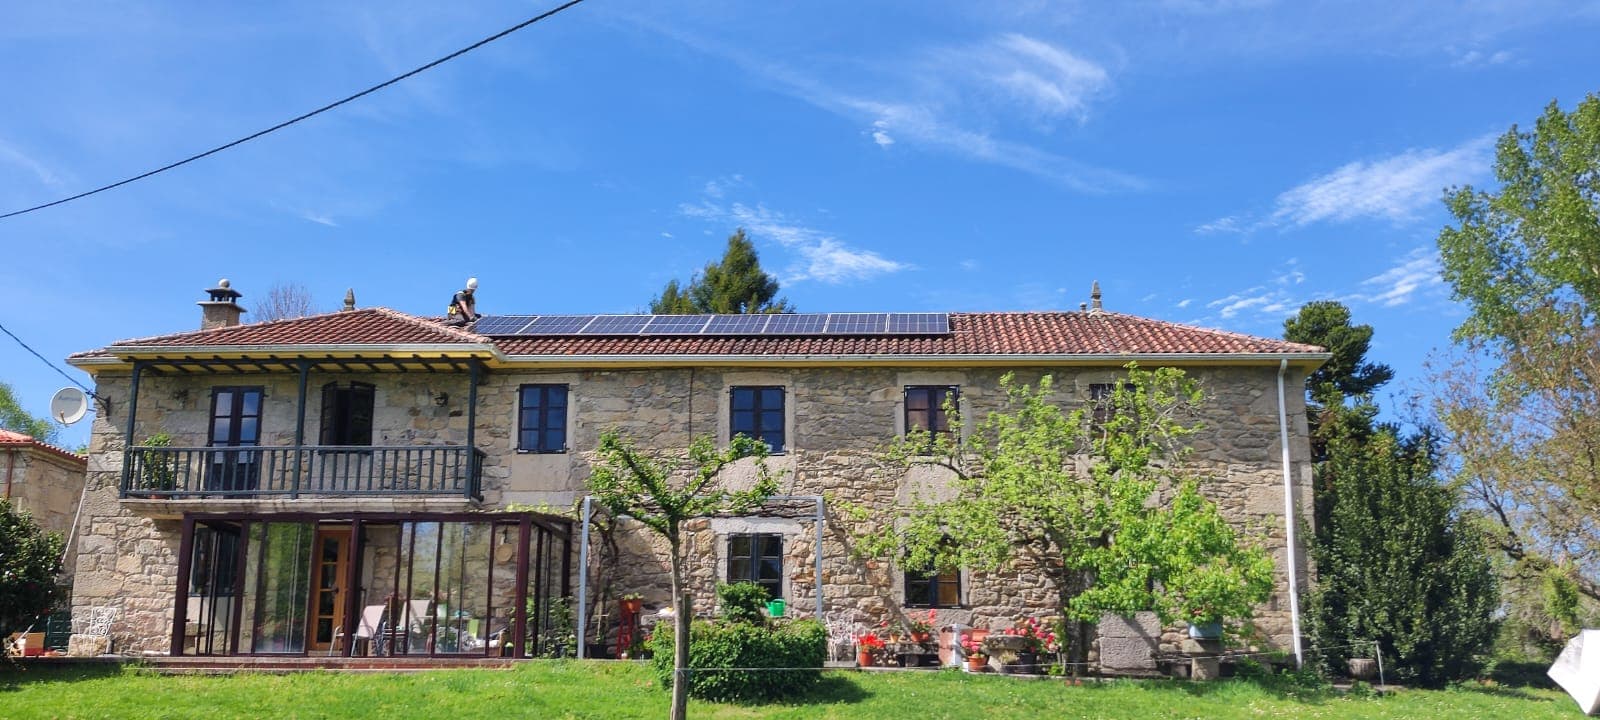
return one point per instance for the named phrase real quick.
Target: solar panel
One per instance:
(738, 324)
(798, 324)
(676, 324)
(501, 324)
(780, 324)
(617, 324)
(557, 325)
(918, 324)
(856, 323)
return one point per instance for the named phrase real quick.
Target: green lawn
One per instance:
(574, 689)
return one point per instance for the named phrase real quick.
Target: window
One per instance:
(1102, 402)
(925, 407)
(542, 421)
(933, 589)
(757, 558)
(235, 423)
(346, 414)
(757, 412)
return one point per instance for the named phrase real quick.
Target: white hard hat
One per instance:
(472, 283)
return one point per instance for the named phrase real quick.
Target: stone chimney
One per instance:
(222, 310)
(1094, 297)
(349, 300)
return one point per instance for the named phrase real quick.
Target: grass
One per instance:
(579, 689)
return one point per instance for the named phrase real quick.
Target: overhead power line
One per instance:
(46, 361)
(306, 116)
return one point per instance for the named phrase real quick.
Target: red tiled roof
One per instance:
(1019, 333)
(370, 326)
(998, 334)
(9, 439)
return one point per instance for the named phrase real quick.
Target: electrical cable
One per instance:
(306, 116)
(52, 365)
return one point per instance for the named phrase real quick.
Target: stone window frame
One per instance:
(789, 529)
(566, 419)
(783, 412)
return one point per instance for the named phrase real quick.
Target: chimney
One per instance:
(349, 300)
(222, 310)
(1094, 297)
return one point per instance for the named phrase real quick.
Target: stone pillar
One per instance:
(1205, 658)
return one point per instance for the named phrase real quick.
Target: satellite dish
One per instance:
(68, 405)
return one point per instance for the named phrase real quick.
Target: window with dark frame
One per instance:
(542, 419)
(757, 412)
(925, 407)
(757, 558)
(933, 589)
(1102, 405)
(235, 423)
(347, 414)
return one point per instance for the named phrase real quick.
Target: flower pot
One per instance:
(632, 605)
(1362, 668)
(1205, 630)
(976, 663)
(920, 637)
(864, 659)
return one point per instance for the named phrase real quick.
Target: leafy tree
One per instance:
(16, 419)
(1068, 494)
(737, 284)
(1522, 427)
(627, 482)
(30, 559)
(1399, 563)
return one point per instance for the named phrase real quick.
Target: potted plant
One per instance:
(922, 630)
(156, 471)
(1036, 638)
(973, 648)
(632, 603)
(868, 647)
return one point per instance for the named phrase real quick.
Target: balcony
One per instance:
(303, 471)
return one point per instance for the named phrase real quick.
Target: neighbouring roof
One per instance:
(988, 334)
(9, 439)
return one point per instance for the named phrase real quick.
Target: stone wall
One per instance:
(837, 420)
(48, 486)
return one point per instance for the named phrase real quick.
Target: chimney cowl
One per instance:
(1094, 297)
(222, 309)
(349, 300)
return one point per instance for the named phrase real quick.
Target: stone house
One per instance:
(44, 480)
(368, 475)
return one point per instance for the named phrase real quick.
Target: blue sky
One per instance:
(1216, 163)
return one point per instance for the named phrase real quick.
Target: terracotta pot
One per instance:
(864, 659)
(920, 637)
(976, 663)
(632, 605)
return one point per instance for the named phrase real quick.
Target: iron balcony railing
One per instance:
(308, 470)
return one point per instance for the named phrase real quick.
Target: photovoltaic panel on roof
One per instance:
(856, 323)
(617, 324)
(918, 324)
(738, 324)
(557, 325)
(676, 324)
(797, 324)
(751, 325)
(501, 324)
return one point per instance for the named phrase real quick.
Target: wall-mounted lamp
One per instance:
(441, 399)
(181, 395)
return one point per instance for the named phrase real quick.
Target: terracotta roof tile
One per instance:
(1001, 333)
(9, 439)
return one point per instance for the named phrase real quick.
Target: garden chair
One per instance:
(367, 627)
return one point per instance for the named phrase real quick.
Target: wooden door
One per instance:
(330, 556)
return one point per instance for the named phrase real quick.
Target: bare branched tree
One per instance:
(284, 301)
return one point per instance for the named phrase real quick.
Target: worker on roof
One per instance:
(463, 307)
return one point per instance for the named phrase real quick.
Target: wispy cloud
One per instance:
(822, 257)
(1229, 224)
(1412, 275)
(12, 155)
(934, 99)
(1391, 188)
(318, 218)
(1479, 58)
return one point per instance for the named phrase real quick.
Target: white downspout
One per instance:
(1289, 515)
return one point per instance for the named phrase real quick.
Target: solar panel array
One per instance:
(779, 324)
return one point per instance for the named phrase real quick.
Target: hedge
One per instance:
(718, 644)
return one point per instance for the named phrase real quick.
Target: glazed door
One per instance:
(330, 555)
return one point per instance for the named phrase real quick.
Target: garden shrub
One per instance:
(714, 645)
(742, 601)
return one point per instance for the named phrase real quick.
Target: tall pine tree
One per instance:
(735, 285)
